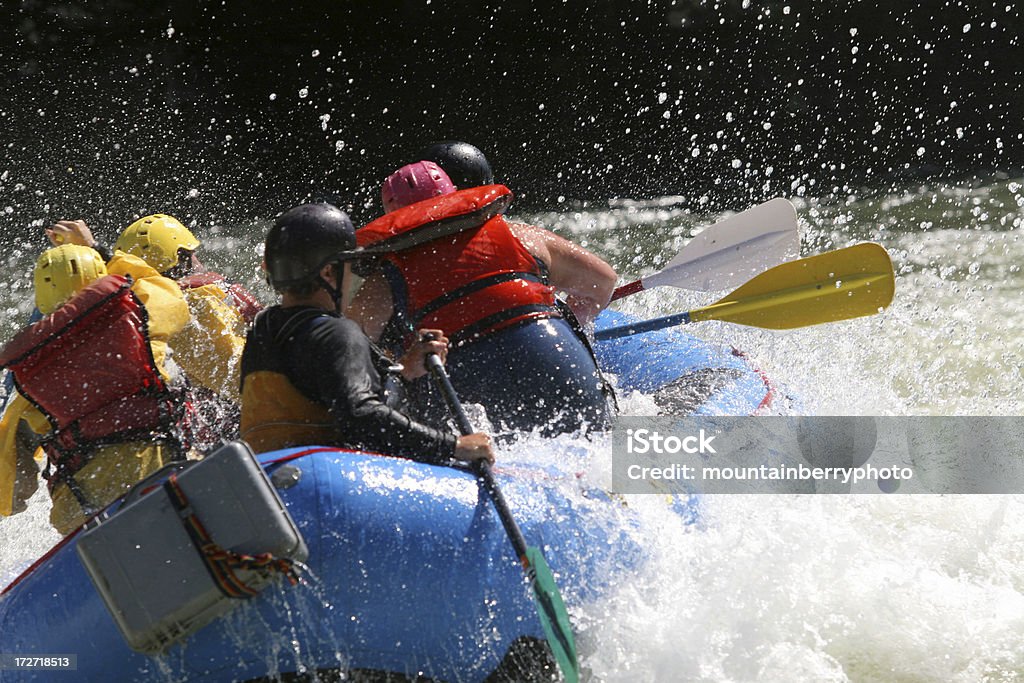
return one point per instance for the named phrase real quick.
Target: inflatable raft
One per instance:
(405, 567)
(685, 375)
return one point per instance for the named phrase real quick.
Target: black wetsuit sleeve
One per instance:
(339, 370)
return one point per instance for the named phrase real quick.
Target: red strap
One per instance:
(220, 562)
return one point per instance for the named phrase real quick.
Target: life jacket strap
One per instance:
(482, 326)
(297, 322)
(64, 461)
(577, 328)
(53, 476)
(472, 287)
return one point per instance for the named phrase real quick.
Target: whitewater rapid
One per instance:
(803, 588)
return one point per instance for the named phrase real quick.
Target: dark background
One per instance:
(234, 111)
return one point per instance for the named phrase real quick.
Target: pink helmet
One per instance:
(414, 183)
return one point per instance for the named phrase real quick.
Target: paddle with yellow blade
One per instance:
(837, 285)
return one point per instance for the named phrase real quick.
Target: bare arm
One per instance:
(585, 278)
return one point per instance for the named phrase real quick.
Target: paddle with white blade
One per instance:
(729, 252)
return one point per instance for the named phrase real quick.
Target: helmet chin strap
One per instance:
(335, 292)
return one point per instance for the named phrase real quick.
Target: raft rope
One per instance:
(220, 562)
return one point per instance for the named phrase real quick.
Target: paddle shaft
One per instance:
(628, 289)
(551, 609)
(480, 467)
(643, 326)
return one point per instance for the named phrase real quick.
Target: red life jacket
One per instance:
(89, 368)
(464, 271)
(238, 296)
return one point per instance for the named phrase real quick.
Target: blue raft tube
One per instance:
(409, 570)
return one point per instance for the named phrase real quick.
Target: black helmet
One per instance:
(304, 239)
(465, 164)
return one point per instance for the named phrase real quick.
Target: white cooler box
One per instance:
(150, 573)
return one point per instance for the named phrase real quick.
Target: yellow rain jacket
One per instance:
(114, 468)
(209, 347)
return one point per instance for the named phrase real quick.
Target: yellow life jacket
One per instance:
(276, 415)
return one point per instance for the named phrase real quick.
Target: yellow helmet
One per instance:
(62, 271)
(156, 239)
